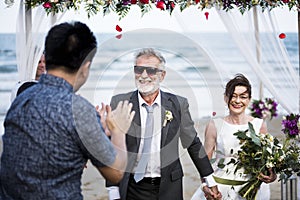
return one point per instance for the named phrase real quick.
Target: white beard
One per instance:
(147, 86)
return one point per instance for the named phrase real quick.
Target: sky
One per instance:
(191, 19)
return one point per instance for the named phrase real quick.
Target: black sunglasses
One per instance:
(149, 70)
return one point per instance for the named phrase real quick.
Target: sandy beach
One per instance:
(93, 184)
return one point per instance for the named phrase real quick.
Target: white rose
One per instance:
(261, 105)
(269, 165)
(270, 106)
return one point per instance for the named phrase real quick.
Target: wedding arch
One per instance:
(251, 24)
(242, 18)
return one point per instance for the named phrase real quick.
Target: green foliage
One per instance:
(121, 10)
(122, 7)
(145, 8)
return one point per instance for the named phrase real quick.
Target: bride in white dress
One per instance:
(219, 137)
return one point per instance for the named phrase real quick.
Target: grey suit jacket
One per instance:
(181, 126)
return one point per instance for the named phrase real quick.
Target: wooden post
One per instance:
(258, 46)
(299, 55)
(298, 178)
(28, 22)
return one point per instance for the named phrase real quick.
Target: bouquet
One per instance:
(258, 153)
(264, 109)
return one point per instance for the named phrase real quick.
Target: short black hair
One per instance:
(69, 45)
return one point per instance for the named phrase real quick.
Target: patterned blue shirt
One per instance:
(50, 133)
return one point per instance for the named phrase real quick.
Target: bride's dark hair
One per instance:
(238, 80)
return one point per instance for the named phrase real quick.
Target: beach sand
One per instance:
(93, 184)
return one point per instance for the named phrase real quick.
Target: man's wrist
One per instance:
(113, 192)
(204, 184)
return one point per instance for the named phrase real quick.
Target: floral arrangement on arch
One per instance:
(291, 125)
(264, 109)
(259, 152)
(122, 7)
(291, 128)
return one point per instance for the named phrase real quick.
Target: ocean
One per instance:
(191, 71)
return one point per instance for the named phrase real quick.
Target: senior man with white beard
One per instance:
(154, 170)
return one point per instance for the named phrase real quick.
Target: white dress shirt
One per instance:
(153, 167)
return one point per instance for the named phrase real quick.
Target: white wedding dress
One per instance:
(227, 142)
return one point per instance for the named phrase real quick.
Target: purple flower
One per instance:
(290, 125)
(126, 2)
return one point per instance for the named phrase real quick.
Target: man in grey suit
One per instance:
(161, 176)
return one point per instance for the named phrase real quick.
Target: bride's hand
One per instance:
(212, 193)
(268, 179)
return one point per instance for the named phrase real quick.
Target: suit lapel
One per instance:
(136, 123)
(166, 105)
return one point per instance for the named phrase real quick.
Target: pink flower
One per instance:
(144, 1)
(172, 5)
(47, 5)
(161, 5)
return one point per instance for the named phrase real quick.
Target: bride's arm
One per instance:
(263, 129)
(210, 138)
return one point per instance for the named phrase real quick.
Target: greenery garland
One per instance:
(122, 7)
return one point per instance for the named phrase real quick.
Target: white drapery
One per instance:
(32, 27)
(255, 35)
(265, 53)
(260, 45)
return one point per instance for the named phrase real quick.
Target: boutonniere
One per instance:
(168, 117)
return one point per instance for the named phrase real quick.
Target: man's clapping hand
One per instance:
(102, 112)
(118, 120)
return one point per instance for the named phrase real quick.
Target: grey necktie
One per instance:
(141, 167)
